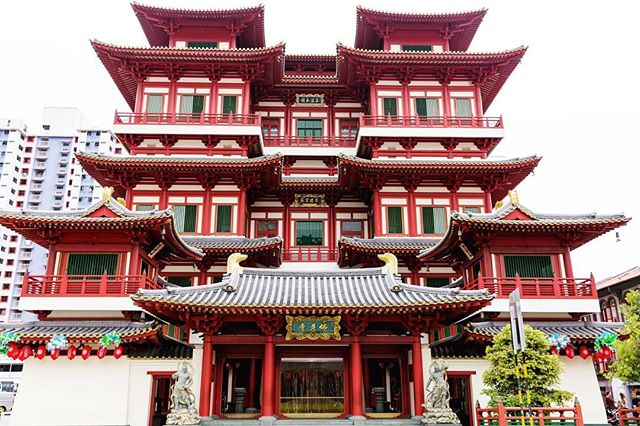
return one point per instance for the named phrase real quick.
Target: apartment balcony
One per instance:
(41, 155)
(34, 199)
(40, 165)
(309, 254)
(309, 141)
(431, 127)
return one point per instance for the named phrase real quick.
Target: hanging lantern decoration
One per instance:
(117, 352)
(41, 351)
(605, 340)
(25, 353)
(57, 341)
(55, 353)
(71, 352)
(112, 338)
(12, 348)
(7, 337)
(606, 352)
(102, 351)
(554, 351)
(569, 352)
(560, 341)
(16, 353)
(584, 352)
(86, 352)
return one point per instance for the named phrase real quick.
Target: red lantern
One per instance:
(117, 352)
(25, 353)
(41, 352)
(102, 351)
(597, 356)
(71, 352)
(569, 352)
(554, 350)
(55, 353)
(606, 352)
(86, 351)
(12, 348)
(16, 353)
(584, 352)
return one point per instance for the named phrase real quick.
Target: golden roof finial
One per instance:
(498, 205)
(513, 198)
(233, 263)
(107, 192)
(121, 201)
(390, 263)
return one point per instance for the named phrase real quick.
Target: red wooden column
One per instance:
(172, 108)
(417, 324)
(410, 186)
(209, 327)
(377, 213)
(242, 211)
(566, 258)
(252, 384)
(356, 326)
(269, 324)
(287, 200)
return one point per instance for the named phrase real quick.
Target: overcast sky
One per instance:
(573, 99)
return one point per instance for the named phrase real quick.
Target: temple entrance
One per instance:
(312, 387)
(241, 380)
(383, 387)
(160, 388)
(460, 403)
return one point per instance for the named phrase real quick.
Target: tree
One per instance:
(626, 365)
(543, 371)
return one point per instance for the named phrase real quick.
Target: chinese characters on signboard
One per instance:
(313, 328)
(309, 200)
(309, 100)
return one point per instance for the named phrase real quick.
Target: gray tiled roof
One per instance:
(573, 329)
(78, 330)
(509, 208)
(358, 289)
(209, 242)
(391, 243)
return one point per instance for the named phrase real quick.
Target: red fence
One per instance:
(537, 287)
(542, 416)
(629, 416)
(439, 121)
(309, 254)
(84, 285)
(312, 141)
(195, 119)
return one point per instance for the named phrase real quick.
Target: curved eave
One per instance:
(149, 16)
(469, 21)
(216, 246)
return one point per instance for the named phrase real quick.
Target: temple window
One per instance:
(182, 281)
(348, 128)
(417, 48)
(223, 219)
(229, 104)
(437, 281)
(472, 210)
(427, 107)
(266, 228)
(352, 228)
(309, 233)
(307, 127)
(185, 217)
(270, 128)
(192, 104)
(154, 104)
(394, 219)
(202, 44)
(528, 266)
(144, 207)
(390, 106)
(92, 263)
(462, 107)
(433, 220)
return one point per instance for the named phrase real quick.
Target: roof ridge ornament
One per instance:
(390, 263)
(107, 192)
(233, 263)
(513, 198)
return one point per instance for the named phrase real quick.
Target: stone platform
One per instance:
(311, 422)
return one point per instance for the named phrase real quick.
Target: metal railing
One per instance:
(309, 141)
(186, 118)
(85, 285)
(537, 287)
(436, 121)
(309, 254)
(542, 416)
(629, 416)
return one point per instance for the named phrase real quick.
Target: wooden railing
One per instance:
(542, 416)
(309, 254)
(84, 285)
(195, 119)
(309, 141)
(629, 416)
(537, 287)
(439, 121)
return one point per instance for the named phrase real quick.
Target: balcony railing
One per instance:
(85, 285)
(437, 121)
(195, 119)
(309, 141)
(629, 416)
(537, 287)
(309, 254)
(540, 416)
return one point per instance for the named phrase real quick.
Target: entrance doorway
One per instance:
(460, 390)
(383, 387)
(160, 388)
(241, 381)
(312, 387)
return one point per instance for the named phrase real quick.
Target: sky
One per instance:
(574, 99)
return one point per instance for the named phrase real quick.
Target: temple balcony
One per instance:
(310, 145)
(431, 127)
(82, 292)
(309, 254)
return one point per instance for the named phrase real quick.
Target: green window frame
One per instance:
(144, 207)
(309, 127)
(229, 104)
(92, 264)
(463, 107)
(223, 218)
(417, 48)
(389, 106)
(309, 233)
(427, 107)
(528, 266)
(182, 281)
(394, 220)
(437, 282)
(433, 220)
(185, 217)
(154, 104)
(192, 104)
(473, 210)
(202, 44)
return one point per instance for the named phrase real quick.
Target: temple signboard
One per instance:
(309, 200)
(315, 100)
(313, 328)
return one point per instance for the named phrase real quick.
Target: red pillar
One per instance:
(411, 204)
(566, 258)
(252, 384)
(332, 230)
(268, 377)
(286, 226)
(377, 213)
(242, 211)
(247, 98)
(454, 202)
(446, 101)
(51, 261)
(373, 99)
(206, 375)
(164, 198)
(418, 378)
(171, 105)
(406, 110)
(206, 212)
(356, 377)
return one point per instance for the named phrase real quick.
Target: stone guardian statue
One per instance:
(437, 410)
(183, 410)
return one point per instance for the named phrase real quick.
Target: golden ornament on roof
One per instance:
(513, 198)
(233, 263)
(107, 192)
(390, 263)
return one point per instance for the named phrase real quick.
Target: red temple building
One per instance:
(309, 231)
